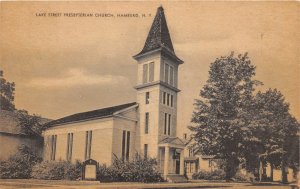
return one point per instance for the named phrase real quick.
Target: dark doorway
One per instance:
(177, 166)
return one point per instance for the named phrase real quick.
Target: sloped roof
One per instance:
(159, 36)
(159, 33)
(100, 113)
(172, 140)
(193, 158)
(9, 122)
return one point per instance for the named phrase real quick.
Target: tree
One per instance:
(221, 119)
(30, 124)
(6, 94)
(277, 131)
(19, 165)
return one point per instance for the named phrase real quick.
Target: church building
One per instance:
(147, 127)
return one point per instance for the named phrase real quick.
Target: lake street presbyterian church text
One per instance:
(147, 127)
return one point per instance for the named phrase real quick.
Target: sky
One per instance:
(65, 65)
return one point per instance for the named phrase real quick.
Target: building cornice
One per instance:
(157, 83)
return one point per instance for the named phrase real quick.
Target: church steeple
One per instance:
(158, 36)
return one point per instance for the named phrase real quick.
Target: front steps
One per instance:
(177, 178)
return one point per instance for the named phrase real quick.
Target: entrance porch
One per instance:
(171, 156)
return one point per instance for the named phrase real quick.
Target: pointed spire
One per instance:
(158, 36)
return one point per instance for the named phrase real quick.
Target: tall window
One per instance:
(53, 147)
(69, 146)
(167, 99)
(88, 144)
(148, 72)
(171, 75)
(125, 145)
(151, 71)
(165, 125)
(145, 150)
(169, 125)
(147, 97)
(145, 73)
(128, 145)
(146, 122)
(166, 73)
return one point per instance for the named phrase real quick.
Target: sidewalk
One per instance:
(45, 184)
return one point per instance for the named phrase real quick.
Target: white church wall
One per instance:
(78, 146)
(101, 140)
(152, 137)
(121, 125)
(102, 145)
(61, 147)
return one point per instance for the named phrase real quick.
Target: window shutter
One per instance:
(151, 72)
(145, 73)
(171, 76)
(166, 73)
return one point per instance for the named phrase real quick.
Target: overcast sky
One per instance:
(64, 65)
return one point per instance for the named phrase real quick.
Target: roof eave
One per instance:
(78, 121)
(160, 49)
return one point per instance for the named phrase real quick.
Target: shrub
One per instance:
(217, 174)
(239, 176)
(20, 164)
(137, 170)
(57, 170)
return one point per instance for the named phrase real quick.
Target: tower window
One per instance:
(166, 73)
(148, 72)
(171, 75)
(151, 71)
(146, 122)
(169, 125)
(171, 100)
(145, 151)
(147, 97)
(164, 97)
(145, 73)
(165, 125)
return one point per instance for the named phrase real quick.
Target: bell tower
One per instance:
(157, 88)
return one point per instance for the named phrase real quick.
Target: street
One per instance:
(14, 184)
